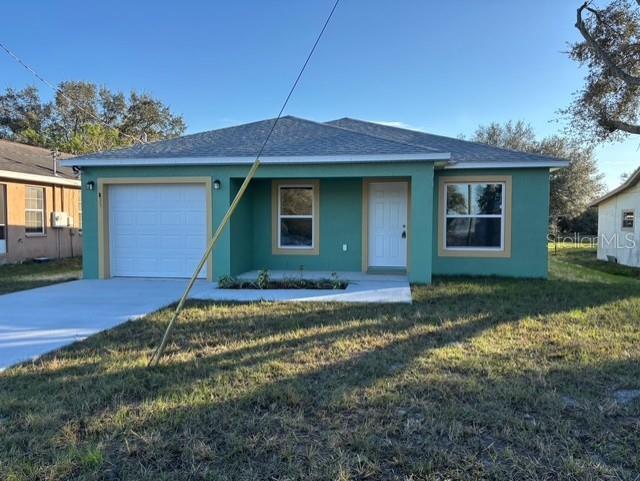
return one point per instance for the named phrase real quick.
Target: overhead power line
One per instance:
(59, 91)
(157, 354)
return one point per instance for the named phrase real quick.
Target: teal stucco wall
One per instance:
(246, 243)
(529, 224)
(340, 223)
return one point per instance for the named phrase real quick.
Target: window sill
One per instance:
(35, 235)
(478, 253)
(289, 251)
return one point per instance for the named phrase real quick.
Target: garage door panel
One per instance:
(175, 219)
(171, 243)
(157, 230)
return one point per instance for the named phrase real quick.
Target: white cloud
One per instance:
(395, 123)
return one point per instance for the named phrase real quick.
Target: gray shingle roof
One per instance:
(461, 150)
(27, 159)
(292, 137)
(296, 140)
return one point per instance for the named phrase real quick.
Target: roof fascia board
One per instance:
(316, 159)
(44, 179)
(630, 182)
(554, 164)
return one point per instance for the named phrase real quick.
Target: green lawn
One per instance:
(478, 379)
(17, 277)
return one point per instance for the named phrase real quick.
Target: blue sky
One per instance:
(443, 67)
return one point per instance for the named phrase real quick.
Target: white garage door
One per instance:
(157, 230)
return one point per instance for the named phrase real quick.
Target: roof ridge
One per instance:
(377, 137)
(450, 138)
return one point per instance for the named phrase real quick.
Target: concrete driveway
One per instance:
(37, 321)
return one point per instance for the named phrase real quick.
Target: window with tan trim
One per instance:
(79, 200)
(34, 210)
(3, 219)
(295, 216)
(474, 218)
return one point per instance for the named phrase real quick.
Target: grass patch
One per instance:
(586, 257)
(28, 275)
(478, 379)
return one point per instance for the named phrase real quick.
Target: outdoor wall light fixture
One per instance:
(90, 185)
(216, 184)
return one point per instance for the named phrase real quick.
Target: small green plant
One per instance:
(336, 283)
(263, 279)
(227, 282)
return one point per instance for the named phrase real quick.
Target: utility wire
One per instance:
(159, 351)
(65, 96)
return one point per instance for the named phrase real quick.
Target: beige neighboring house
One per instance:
(618, 230)
(40, 208)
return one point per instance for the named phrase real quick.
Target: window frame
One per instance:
(5, 211)
(277, 216)
(79, 211)
(42, 211)
(505, 226)
(633, 220)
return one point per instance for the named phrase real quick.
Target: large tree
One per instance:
(608, 106)
(84, 118)
(572, 188)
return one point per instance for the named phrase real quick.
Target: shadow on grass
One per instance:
(283, 398)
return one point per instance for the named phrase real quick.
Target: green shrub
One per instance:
(262, 281)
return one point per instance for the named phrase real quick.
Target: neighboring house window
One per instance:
(296, 217)
(3, 219)
(475, 216)
(628, 217)
(79, 226)
(34, 210)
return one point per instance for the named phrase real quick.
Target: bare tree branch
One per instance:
(600, 53)
(614, 125)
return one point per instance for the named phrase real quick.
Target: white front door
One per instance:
(157, 230)
(388, 224)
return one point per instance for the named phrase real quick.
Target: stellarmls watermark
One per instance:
(625, 240)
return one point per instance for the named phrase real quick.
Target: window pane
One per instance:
(33, 222)
(487, 198)
(296, 201)
(470, 199)
(34, 198)
(3, 233)
(296, 232)
(474, 232)
(457, 199)
(3, 205)
(627, 219)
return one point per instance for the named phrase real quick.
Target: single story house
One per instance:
(618, 239)
(40, 207)
(346, 195)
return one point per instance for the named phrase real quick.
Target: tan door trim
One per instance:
(365, 216)
(104, 260)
